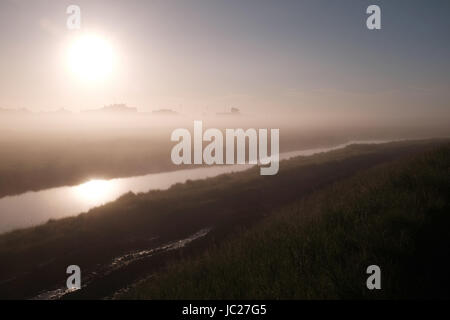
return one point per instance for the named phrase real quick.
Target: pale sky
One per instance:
(258, 55)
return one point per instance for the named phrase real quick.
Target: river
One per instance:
(34, 208)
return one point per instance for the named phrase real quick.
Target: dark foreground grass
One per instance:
(396, 216)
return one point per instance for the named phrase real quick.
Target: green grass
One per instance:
(395, 215)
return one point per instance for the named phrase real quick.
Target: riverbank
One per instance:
(34, 260)
(394, 216)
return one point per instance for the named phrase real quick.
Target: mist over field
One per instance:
(43, 150)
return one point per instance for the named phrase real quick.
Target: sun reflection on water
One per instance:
(95, 192)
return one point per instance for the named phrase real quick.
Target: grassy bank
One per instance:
(33, 260)
(395, 215)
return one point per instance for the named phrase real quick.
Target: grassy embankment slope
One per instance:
(33, 260)
(395, 215)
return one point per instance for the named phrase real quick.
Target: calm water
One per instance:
(34, 208)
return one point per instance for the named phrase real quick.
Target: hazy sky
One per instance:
(258, 55)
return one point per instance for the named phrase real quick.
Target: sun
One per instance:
(91, 58)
